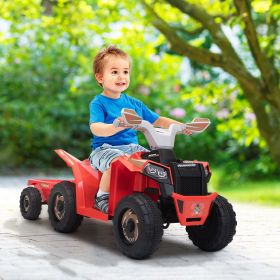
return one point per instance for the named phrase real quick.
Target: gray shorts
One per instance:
(101, 157)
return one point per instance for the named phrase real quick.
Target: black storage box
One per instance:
(189, 178)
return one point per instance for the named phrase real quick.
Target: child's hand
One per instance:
(122, 122)
(188, 132)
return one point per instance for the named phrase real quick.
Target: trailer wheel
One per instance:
(62, 208)
(137, 226)
(30, 203)
(219, 227)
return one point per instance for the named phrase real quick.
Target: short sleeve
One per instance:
(96, 112)
(148, 114)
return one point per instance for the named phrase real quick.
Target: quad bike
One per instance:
(148, 191)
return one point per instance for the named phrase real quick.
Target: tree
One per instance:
(257, 22)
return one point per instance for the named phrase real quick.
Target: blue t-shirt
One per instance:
(105, 109)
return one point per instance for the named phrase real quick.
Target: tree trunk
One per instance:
(268, 120)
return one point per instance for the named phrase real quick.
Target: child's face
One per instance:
(116, 75)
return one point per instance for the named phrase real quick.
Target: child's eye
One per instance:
(114, 72)
(126, 72)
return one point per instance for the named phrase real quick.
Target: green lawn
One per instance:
(265, 191)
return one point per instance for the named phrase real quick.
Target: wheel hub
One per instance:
(26, 203)
(129, 225)
(59, 207)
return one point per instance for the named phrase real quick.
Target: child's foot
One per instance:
(102, 202)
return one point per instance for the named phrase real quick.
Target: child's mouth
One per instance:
(120, 84)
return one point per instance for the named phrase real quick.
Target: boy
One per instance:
(112, 68)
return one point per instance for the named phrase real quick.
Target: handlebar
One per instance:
(159, 137)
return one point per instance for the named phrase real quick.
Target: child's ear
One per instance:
(99, 77)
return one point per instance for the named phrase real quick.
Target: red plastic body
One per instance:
(126, 178)
(194, 209)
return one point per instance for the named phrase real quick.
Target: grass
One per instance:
(263, 191)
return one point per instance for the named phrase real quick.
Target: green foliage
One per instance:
(236, 142)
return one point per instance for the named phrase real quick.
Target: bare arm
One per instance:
(104, 130)
(164, 122)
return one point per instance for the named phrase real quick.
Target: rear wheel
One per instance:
(137, 226)
(62, 208)
(219, 227)
(30, 203)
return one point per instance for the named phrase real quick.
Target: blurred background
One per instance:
(201, 58)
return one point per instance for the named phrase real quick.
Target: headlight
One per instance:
(156, 172)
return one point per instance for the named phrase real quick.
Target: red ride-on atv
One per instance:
(148, 191)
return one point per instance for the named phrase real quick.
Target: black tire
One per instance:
(137, 226)
(219, 227)
(62, 208)
(30, 203)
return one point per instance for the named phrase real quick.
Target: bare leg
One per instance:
(102, 196)
(102, 200)
(104, 184)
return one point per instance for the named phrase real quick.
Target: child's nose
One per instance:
(121, 75)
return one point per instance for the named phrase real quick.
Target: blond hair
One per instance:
(102, 56)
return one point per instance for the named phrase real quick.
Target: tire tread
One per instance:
(216, 240)
(151, 215)
(35, 200)
(73, 220)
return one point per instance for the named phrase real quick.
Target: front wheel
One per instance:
(218, 229)
(137, 226)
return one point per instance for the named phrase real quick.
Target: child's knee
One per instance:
(109, 165)
(106, 163)
(102, 159)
